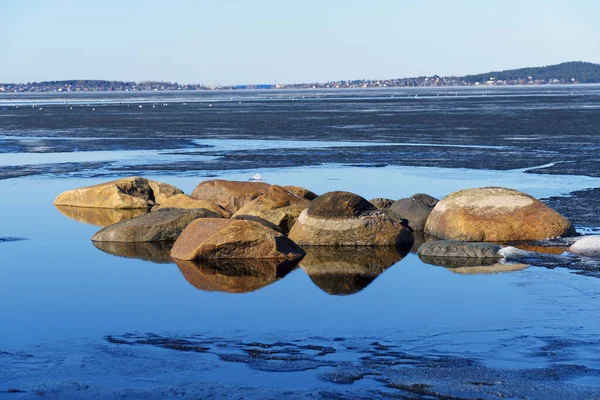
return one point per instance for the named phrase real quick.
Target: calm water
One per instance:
(79, 322)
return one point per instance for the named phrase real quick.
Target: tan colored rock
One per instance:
(231, 195)
(234, 275)
(159, 226)
(301, 192)
(209, 238)
(189, 203)
(100, 216)
(277, 206)
(346, 219)
(127, 193)
(494, 214)
(163, 191)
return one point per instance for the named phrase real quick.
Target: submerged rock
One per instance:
(301, 192)
(159, 226)
(234, 275)
(456, 248)
(189, 203)
(100, 216)
(156, 252)
(348, 270)
(415, 209)
(229, 238)
(126, 193)
(231, 195)
(346, 219)
(588, 246)
(494, 214)
(277, 206)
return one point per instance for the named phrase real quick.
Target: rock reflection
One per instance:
(99, 216)
(234, 275)
(472, 266)
(157, 252)
(348, 270)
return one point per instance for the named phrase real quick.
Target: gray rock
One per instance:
(415, 209)
(458, 249)
(381, 203)
(162, 225)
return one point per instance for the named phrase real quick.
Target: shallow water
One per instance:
(85, 322)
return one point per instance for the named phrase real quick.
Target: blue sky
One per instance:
(263, 41)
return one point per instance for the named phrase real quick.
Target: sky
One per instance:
(266, 41)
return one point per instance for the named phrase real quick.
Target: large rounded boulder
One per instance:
(346, 219)
(232, 238)
(189, 203)
(415, 209)
(494, 214)
(160, 226)
(277, 206)
(231, 195)
(127, 193)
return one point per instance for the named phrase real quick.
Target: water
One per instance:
(80, 322)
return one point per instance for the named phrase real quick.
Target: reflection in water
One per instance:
(157, 252)
(471, 266)
(234, 275)
(99, 216)
(348, 270)
(555, 250)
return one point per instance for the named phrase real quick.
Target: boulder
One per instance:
(301, 192)
(156, 252)
(348, 270)
(346, 219)
(234, 275)
(100, 216)
(126, 193)
(231, 195)
(456, 248)
(189, 203)
(231, 238)
(415, 209)
(277, 206)
(261, 221)
(381, 203)
(494, 214)
(588, 246)
(163, 225)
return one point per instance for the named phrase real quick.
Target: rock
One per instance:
(346, 219)
(277, 206)
(472, 266)
(381, 203)
(230, 238)
(415, 209)
(156, 252)
(494, 214)
(163, 225)
(126, 193)
(100, 216)
(455, 248)
(348, 270)
(189, 203)
(261, 221)
(234, 276)
(588, 246)
(231, 195)
(301, 192)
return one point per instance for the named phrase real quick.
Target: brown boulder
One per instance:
(277, 206)
(301, 192)
(494, 214)
(100, 216)
(229, 238)
(189, 203)
(159, 226)
(346, 219)
(126, 193)
(231, 195)
(415, 209)
(234, 275)
(381, 203)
